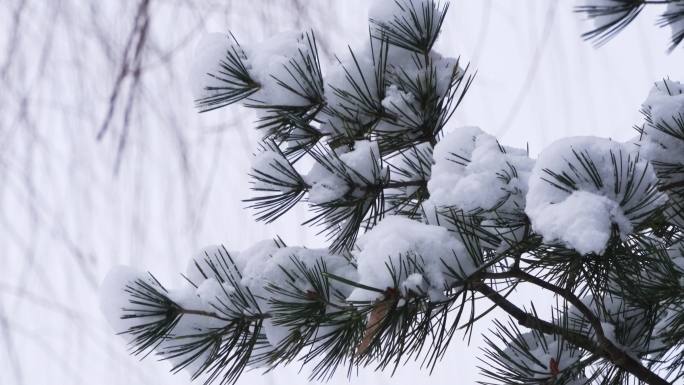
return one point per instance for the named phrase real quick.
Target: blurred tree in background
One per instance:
(161, 181)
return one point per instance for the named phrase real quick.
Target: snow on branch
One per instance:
(426, 220)
(586, 191)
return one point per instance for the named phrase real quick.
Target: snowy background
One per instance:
(104, 160)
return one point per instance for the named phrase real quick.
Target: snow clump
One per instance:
(583, 188)
(474, 173)
(422, 253)
(343, 173)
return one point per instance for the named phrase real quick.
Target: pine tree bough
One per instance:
(612, 16)
(425, 220)
(604, 347)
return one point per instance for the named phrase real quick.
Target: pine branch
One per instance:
(303, 312)
(530, 321)
(237, 83)
(423, 119)
(673, 18)
(278, 180)
(613, 16)
(413, 29)
(518, 362)
(401, 326)
(606, 348)
(360, 205)
(617, 15)
(304, 80)
(360, 99)
(322, 325)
